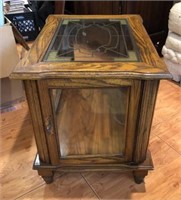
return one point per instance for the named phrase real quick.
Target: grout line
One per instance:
(30, 191)
(90, 186)
(164, 140)
(167, 144)
(170, 117)
(37, 187)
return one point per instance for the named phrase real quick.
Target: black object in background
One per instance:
(42, 9)
(25, 24)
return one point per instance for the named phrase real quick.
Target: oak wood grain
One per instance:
(47, 115)
(32, 67)
(148, 101)
(94, 127)
(35, 110)
(72, 129)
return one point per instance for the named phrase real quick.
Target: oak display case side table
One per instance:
(91, 84)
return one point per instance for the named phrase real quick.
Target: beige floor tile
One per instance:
(20, 113)
(68, 186)
(17, 152)
(161, 183)
(170, 132)
(168, 102)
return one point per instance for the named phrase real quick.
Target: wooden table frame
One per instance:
(142, 79)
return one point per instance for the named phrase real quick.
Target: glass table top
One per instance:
(92, 40)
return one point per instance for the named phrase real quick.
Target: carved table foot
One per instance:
(139, 176)
(48, 179)
(47, 175)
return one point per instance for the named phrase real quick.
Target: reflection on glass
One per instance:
(92, 40)
(91, 121)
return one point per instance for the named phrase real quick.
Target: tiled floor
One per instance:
(17, 150)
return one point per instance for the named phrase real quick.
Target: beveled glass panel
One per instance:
(91, 122)
(92, 40)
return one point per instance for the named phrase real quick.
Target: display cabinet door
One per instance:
(90, 121)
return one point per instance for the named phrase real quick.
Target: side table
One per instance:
(91, 84)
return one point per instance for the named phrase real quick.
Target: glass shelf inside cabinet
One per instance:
(92, 40)
(91, 122)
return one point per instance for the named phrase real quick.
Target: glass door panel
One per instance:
(91, 122)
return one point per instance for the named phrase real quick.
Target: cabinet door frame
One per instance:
(44, 87)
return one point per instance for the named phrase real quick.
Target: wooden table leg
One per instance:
(139, 175)
(47, 175)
